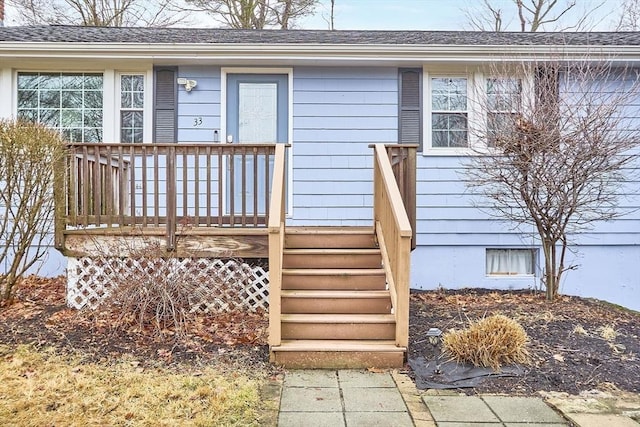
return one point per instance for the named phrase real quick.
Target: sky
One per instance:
(418, 14)
(431, 14)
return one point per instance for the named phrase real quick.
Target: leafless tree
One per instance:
(100, 13)
(256, 14)
(531, 15)
(629, 18)
(557, 157)
(28, 154)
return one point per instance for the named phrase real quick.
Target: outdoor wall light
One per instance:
(188, 84)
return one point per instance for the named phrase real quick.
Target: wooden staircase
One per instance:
(335, 308)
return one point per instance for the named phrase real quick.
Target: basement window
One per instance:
(510, 262)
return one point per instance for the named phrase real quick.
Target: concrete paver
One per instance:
(352, 378)
(535, 425)
(311, 378)
(312, 399)
(353, 398)
(522, 409)
(459, 409)
(600, 420)
(466, 424)
(373, 399)
(311, 419)
(382, 419)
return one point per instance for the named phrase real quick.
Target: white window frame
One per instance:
(476, 111)
(147, 107)
(509, 275)
(62, 70)
(110, 96)
(146, 129)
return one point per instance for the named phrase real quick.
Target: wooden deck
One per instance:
(338, 296)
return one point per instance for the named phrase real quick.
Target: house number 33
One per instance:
(197, 122)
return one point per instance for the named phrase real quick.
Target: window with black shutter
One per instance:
(410, 106)
(165, 105)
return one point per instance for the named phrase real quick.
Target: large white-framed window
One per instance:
(510, 262)
(71, 102)
(131, 107)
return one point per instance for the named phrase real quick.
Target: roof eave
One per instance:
(347, 52)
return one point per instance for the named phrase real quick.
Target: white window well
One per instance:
(510, 262)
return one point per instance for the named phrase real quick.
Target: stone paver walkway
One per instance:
(350, 398)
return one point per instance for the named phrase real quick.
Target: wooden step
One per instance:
(338, 326)
(338, 354)
(332, 258)
(346, 279)
(336, 301)
(330, 237)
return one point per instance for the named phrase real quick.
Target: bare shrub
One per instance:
(29, 153)
(489, 342)
(153, 288)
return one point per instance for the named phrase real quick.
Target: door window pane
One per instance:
(257, 112)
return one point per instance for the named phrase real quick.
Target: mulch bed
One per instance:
(576, 344)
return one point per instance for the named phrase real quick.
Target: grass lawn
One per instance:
(39, 387)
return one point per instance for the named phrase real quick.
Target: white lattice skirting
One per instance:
(219, 285)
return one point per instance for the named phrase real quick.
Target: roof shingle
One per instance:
(76, 34)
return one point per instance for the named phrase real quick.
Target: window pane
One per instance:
(126, 119)
(93, 99)
(49, 81)
(125, 100)
(50, 118)
(72, 81)
(28, 81)
(137, 83)
(138, 100)
(72, 99)
(29, 115)
(27, 99)
(93, 81)
(93, 118)
(49, 99)
(440, 139)
(458, 138)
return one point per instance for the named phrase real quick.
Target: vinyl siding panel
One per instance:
(338, 112)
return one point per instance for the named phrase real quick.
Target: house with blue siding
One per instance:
(327, 97)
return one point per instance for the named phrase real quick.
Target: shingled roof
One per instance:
(74, 34)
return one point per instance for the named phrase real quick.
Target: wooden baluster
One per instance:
(196, 184)
(221, 167)
(208, 185)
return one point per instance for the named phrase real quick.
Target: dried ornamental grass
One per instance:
(489, 342)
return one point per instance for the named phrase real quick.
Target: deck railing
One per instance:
(394, 234)
(403, 164)
(203, 185)
(276, 244)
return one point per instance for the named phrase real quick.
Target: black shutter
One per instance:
(165, 98)
(410, 106)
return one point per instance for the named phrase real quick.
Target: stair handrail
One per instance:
(394, 234)
(276, 228)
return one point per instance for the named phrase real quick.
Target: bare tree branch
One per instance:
(531, 15)
(100, 13)
(256, 14)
